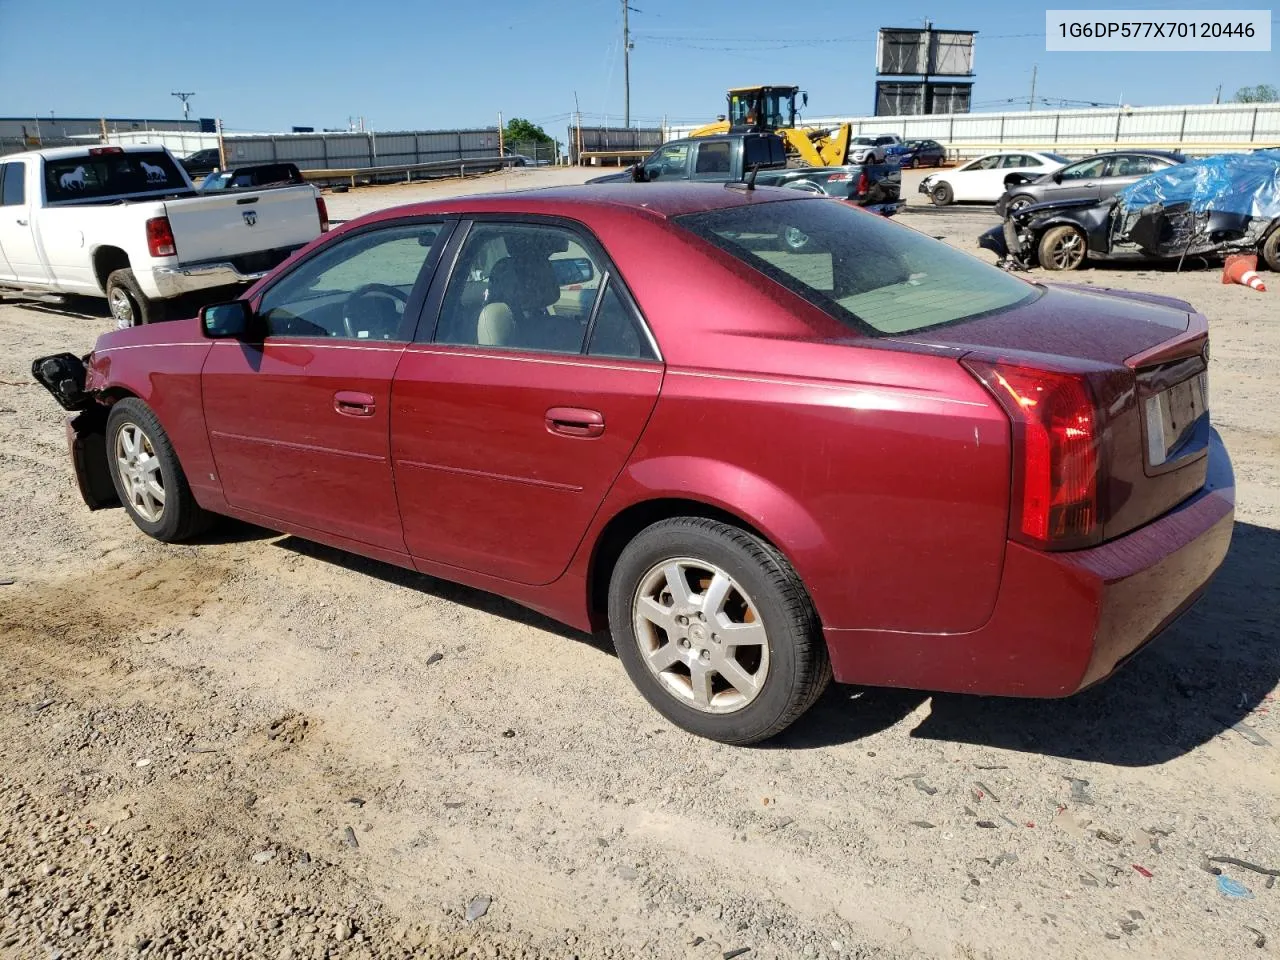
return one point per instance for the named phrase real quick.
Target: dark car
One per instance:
(257, 175)
(879, 458)
(924, 153)
(201, 162)
(1094, 178)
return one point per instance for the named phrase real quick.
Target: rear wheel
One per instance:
(716, 630)
(1271, 250)
(130, 307)
(941, 194)
(148, 477)
(1062, 248)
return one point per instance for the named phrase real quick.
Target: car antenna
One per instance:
(750, 183)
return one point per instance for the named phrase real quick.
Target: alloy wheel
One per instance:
(701, 635)
(1067, 252)
(140, 474)
(121, 308)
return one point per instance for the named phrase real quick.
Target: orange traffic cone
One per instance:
(1242, 268)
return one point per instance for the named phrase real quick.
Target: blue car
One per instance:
(923, 153)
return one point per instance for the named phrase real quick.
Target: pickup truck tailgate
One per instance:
(225, 225)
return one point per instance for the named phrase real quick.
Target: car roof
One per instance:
(1166, 154)
(657, 200)
(61, 153)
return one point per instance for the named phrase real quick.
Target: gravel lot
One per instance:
(256, 746)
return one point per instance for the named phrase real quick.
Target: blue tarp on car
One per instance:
(1247, 184)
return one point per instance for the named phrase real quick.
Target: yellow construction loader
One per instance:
(772, 109)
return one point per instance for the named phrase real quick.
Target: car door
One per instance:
(977, 180)
(511, 417)
(1077, 181)
(17, 226)
(299, 422)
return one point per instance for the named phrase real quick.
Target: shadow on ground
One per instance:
(1204, 675)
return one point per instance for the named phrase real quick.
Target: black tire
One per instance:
(1270, 251)
(912, 163)
(129, 306)
(798, 667)
(1053, 249)
(1017, 203)
(180, 517)
(941, 194)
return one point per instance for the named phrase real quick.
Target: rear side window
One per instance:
(878, 277)
(757, 152)
(12, 184)
(110, 175)
(713, 158)
(616, 331)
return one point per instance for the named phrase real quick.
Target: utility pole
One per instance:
(1217, 97)
(1031, 101)
(184, 96)
(577, 119)
(502, 151)
(926, 101)
(626, 64)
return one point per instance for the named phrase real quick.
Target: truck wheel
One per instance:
(1062, 248)
(716, 630)
(148, 477)
(1271, 249)
(130, 307)
(941, 194)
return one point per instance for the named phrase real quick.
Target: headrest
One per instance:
(526, 282)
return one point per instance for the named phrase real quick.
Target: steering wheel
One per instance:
(349, 319)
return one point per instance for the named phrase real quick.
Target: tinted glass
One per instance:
(13, 190)
(355, 289)
(1084, 169)
(875, 275)
(505, 291)
(713, 158)
(617, 333)
(756, 151)
(111, 175)
(1056, 157)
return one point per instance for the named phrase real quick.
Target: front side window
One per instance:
(878, 277)
(13, 184)
(986, 163)
(356, 289)
(1084, 170)
(670, 161)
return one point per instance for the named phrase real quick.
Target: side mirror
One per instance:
(226, 321)
(638, 173)
(1057, 177)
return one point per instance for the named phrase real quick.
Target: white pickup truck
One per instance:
(126, 223)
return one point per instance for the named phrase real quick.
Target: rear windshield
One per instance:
(879, 277)
(1056, 157)
(111, 175)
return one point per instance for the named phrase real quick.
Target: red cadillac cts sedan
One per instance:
(763, 437)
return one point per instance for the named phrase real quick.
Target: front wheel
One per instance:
(1271, 250)
(130, 307)
(1016, 204)
(1062, 248)
(941, 194)
(716, 630)
(148, 477)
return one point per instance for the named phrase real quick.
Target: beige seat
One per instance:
(515, 313)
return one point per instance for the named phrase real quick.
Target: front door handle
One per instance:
(353, 404)
(575, 422)
(22, 223)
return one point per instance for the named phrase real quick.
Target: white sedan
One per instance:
(985, 179)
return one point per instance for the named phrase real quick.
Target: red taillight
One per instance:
(863, 183)
(160, 237)
(104, 151)
(323, 211)
(1056, 438)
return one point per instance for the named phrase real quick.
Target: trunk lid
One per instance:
(223, 226)
(1145, 358)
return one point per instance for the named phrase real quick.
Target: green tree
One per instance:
(1262, 93)
(520, 130)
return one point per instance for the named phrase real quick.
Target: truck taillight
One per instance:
(323, 211)
(1056, 440)
(160, 237)
(863, 183)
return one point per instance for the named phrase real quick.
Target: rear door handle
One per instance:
(575, 422)
(353, 404)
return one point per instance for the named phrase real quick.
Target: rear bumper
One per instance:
(1063, 621)
(176, 281)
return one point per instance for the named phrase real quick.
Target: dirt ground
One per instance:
(254, 746)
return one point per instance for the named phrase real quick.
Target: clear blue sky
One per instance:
(423, 64)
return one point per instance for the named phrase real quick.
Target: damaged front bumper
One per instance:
(63, 375)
